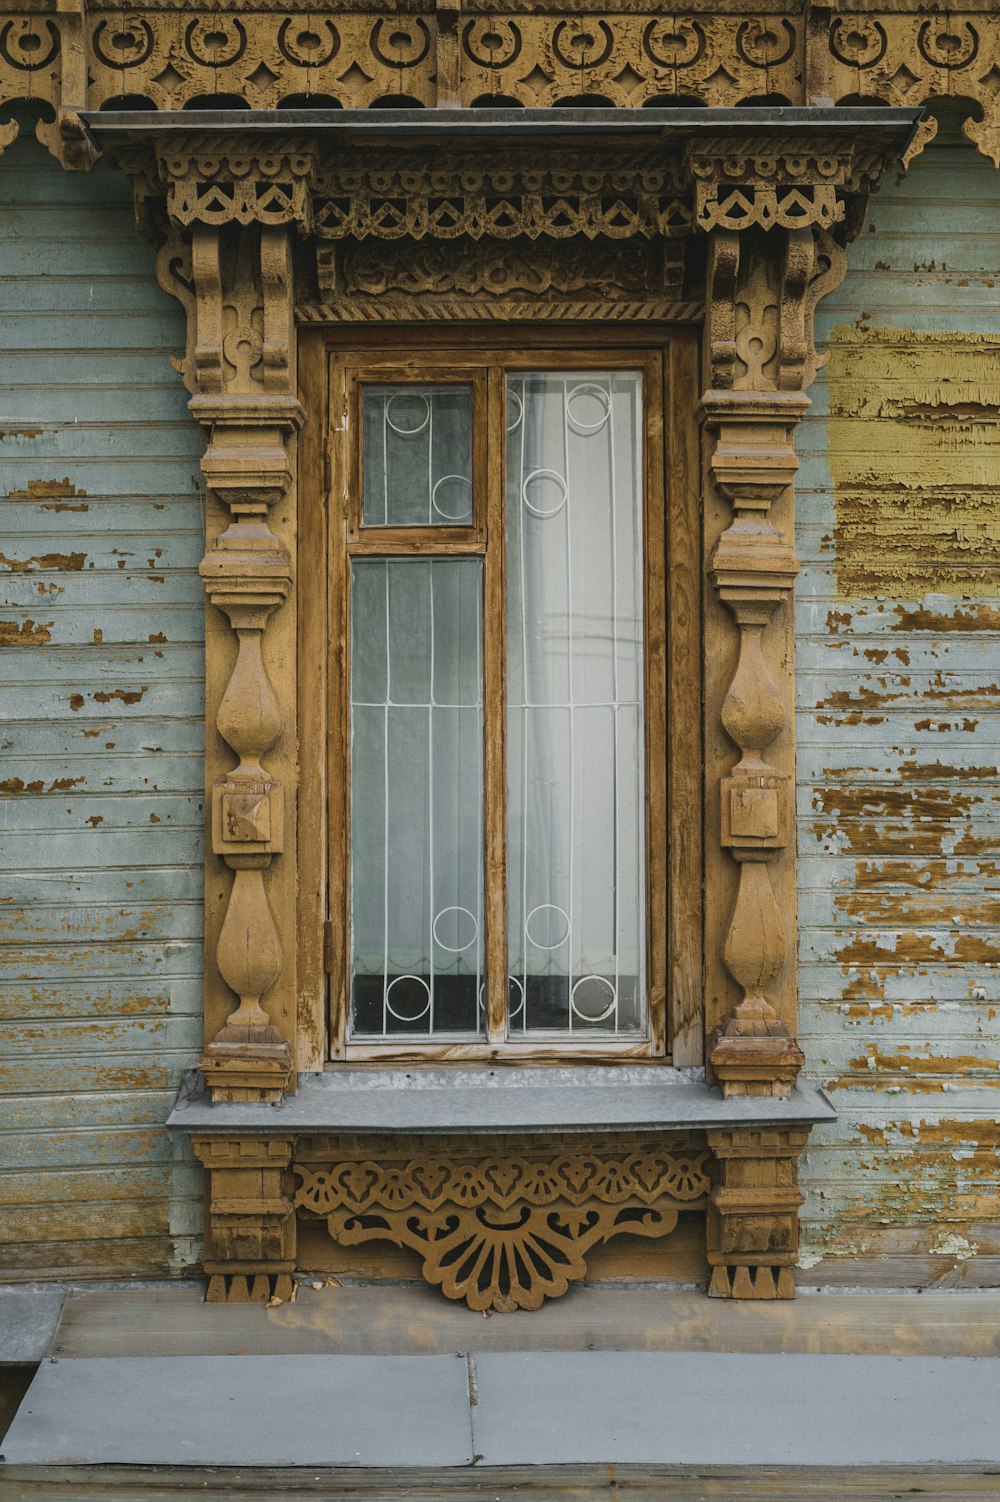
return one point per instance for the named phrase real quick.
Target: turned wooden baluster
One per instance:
(753, 568)
(248, 575)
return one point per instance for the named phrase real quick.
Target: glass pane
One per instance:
(417, 456)
(417, 929)
(575, 773)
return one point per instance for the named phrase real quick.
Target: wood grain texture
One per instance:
(410, 1319)
(312, 909)
(528, 1484)
(684, 707)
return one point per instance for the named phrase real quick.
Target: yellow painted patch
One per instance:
(914, 441)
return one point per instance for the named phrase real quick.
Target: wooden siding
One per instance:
(101, 771)
(898, 735)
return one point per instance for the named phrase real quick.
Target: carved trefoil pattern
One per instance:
(503, 1230)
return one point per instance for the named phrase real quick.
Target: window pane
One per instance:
(417, 455)
(575, 772)
(416, 797)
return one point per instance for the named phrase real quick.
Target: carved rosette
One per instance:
(501, 1230)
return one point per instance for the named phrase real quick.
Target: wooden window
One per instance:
(497, 717)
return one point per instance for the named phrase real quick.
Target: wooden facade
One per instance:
(826, 909)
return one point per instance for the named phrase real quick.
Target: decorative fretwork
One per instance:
(751, 185)
(92, 54)
(501, 1230)
(566, 194)
(510, 280)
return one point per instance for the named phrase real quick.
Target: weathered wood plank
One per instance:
(533, 1484)
(413, 1320)
(899, 743)
(101, 997)
(100, 917)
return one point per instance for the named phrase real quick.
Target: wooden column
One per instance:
(233, 210)
(776, 216)
(771, 212)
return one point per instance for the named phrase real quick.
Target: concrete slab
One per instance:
(28, 1318)
(456, 1100)
(246, 1411)
(414, 1320)
(677, 1408)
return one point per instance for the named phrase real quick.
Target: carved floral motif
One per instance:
(504, 1230)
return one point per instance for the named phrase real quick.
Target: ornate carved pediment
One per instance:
(467, 220)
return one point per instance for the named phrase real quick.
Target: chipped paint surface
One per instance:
(915, 456)
(898, 730)
(101, 776)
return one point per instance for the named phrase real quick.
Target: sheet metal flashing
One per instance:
(461, 1100)
(893, 126)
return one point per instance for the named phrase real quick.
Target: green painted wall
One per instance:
(101, 770)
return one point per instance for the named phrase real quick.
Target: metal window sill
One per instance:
(461, 1101)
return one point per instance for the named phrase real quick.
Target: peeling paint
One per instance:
(58, 491)
(971, 617)
(25, 633)
(66, 563)
(915, 455)
(898, 528)
(126, 695)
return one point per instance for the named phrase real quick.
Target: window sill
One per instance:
(459, 1100)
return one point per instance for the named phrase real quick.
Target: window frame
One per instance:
(329, 534)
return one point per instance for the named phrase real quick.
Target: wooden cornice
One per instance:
(79, 55)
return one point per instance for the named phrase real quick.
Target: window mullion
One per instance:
(494, 715)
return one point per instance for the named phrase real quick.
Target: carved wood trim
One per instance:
(249, 223)
(592, 223)
(506, 1228)
(89, 54)
(753, 1213)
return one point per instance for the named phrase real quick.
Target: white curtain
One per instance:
(575, 772)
